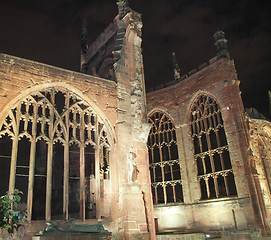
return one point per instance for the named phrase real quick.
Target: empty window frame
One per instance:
(211, 152)
(55, 145)
(164, 160)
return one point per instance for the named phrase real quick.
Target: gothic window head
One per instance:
(211, 151)
(164, 160)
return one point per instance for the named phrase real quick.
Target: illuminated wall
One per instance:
(207, 113)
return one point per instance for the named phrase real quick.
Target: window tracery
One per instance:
(55, 142)
(164, 160)
(211, 152)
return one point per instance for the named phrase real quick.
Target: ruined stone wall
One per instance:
(119, 47)
(259, 165)
(219, 81)
(136, 214)
(21, 77)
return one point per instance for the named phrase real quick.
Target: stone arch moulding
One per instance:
(41, 87)
(195, 96)
(159, 109)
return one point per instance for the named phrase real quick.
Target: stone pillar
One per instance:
(135, 218)
(134, 222)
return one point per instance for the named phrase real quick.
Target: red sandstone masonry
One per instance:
(219, 80)
(19, 75)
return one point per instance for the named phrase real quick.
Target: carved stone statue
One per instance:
(132, 168)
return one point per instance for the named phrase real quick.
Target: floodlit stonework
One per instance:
(96, 146)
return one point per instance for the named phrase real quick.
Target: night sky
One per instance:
(48, 31)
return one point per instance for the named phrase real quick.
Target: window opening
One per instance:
(211, 153)
(50, 144)
(164, 160)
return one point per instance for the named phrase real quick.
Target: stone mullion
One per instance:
(49, 167)
(32, 165)
(173, 187)
(82, 169)
(225, 179)
(226, 185)
(66, 160)
(13, 163)
(202, 125)
(152, 156)
(43, 120)
(82, 182)
(169, 152)
(49, 181)
(97, 171)
(174, 193)
(211, 157)
(210, 121)
(204, 166)
(197, 126)
(14, 152)
(171, 171)
(207, 186)
(156, 195)
(222, 161)
(193, 127)
(108, 149)
(214, 121)
(163, 173)
(154, 174)
(66, 178)
(213, 170)
(200, 143)
(97, 176)
(217, 138)
(168, 132)
(219, 117)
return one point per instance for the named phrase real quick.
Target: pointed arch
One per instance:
(61, 86)
(211, 152)
(164, 159)
(61, 122)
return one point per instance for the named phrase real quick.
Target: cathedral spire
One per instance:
(176, 68)
(123, 7)
(221, 45)
(84, 37)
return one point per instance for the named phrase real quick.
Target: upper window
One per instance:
(164, 160)
(211, 151)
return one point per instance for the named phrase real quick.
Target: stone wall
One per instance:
(219, 81)
(19, 77)
(259, 165)
(206, 216)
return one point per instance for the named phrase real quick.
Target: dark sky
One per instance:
(49, 31)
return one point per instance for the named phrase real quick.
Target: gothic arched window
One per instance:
(55, 146)
(211, 151)
(164, 160)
